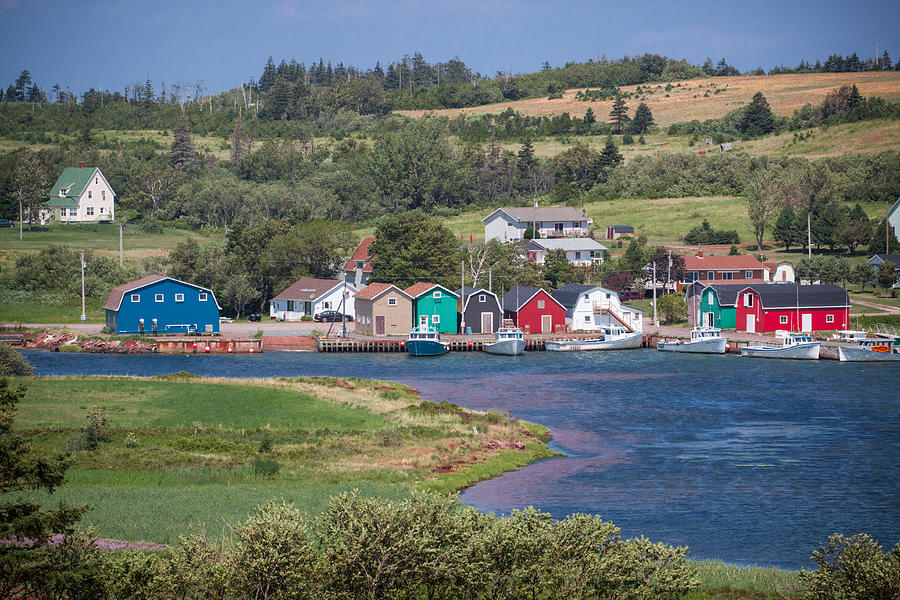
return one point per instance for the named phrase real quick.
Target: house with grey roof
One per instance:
(508, 224)
(581, 252)
(80, 195)
(894, 259)
(591, 307)
(309, 296)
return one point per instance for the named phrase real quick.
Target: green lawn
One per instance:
(103, 236)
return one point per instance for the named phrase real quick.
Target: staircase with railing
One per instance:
(606, 308)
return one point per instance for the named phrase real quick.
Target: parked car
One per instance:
(226, 320)
(630, 295)
(331, 315)
(254, 317)
(6, 223)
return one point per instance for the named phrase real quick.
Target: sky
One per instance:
(111, 43)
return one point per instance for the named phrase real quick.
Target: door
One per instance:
(806, 319)
(487, 322)
(751, 324)
(546, 323)
(423, 320)
(708, 319)
(379, 325)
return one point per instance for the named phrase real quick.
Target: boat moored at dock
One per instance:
(425, 341)
(871, 350)
(794, 345)
(612, 338)
(508, 341)
(704, 340)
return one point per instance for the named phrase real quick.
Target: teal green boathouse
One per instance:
(434, 306)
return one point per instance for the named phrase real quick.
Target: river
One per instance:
(750, 461)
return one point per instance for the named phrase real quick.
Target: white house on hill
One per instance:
(581, 252)
(509, 224)
(80, 195)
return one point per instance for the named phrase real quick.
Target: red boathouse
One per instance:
(533, 309)
(773, 306)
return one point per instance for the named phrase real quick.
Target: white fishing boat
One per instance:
(704, 340)
(849, 335)
(508, 341)
(612, 338)
(796, 345)
(870, 350)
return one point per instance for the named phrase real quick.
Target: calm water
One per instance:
(749, 461)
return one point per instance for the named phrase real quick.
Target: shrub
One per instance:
(266, 467)
(265, 444)
(853, 568)
(306, 318)
(13, 363)
(70, 348)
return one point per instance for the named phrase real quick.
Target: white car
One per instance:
(226, 320)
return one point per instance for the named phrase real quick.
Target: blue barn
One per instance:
(158, 305)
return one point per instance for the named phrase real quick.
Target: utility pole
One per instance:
(121, 245)
(887, 228)
(808, 237)
(534, 234)
(462, 296)
(83, 316)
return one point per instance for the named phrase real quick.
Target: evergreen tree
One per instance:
(267, 79)
(279, 100)
(23, 83)
(589, 118)
(758, 118)
(183, 156)
(526, 161)
(785, 230)
(619, 113)
(825, 222)
(643, 119)
(240, 144)
(883, 242)
(610, 157)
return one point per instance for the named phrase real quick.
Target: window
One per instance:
(89, 211)
(437, 295)
(96, 180)
(728, 275)
(482, 298)
(392, 302)
(360, 264)
(290, 306)
(829, 318)
(710, 274)
(578, 256)
(540, 304)
(587, 318)
(89, 194)
(326, 305)
(558, 227)
(748, 300)
(709, 299)
(159, 297)
(135, 297)
(202, 296)
(435, 319)
(748, 274)
(101, 210)
(179, 297)
(782, 320)
(103, 194)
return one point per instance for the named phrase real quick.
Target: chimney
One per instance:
(700, 253)
(80, 164)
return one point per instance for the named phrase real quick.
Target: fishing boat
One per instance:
(508, 341)
(425, 341)
(612, 338)
(704, 340)
(871, 350)
(794, 344)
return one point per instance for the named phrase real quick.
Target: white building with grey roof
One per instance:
(581, 252)
(508, 224)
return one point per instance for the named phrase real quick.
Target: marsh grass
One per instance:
(723, 581)
(181, 448)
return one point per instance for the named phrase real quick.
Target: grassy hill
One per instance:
(687, 100)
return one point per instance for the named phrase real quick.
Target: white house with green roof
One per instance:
(80, 195)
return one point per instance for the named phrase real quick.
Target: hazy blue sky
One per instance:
(110, 43)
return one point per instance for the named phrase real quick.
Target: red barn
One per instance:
(792, 307)
(533, 309)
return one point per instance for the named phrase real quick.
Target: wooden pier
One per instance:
(208, 345)
(533, 343)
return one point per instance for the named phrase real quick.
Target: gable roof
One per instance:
(73, 180)
(567, 244)
(621, 228)
(373, 290)
(721, 263)
(117, 293)
(526, 214)
(309, 288)
(727, 293)
(361, 253)
(567, 295)
(467, 292)
(520, 295)
(791, 295)
(417, 289)
(891, 258)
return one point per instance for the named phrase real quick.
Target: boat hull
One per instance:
(797, 352)
(426, 348)
(631, 341)
(506, 347)
(710, 346)
(854, 354)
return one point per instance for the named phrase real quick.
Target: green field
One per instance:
(182, 450)
(104, 237)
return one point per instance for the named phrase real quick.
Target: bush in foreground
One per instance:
(853, 568)
(13, 363)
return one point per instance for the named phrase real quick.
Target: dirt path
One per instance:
(882, 307)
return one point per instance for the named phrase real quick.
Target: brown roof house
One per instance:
(309, 297)
(358, 268)
(383, 309)
(726, 269)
